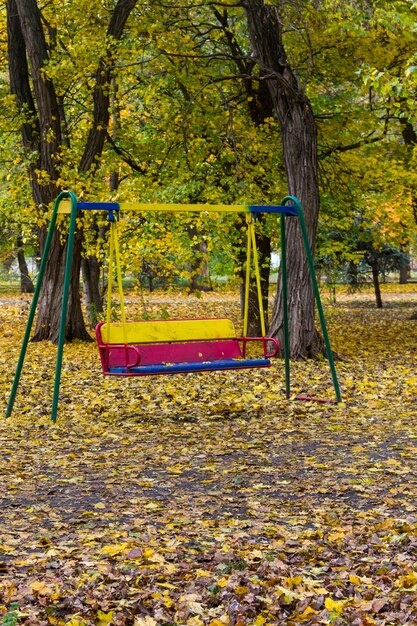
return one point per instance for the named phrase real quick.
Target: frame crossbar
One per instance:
(65, 208)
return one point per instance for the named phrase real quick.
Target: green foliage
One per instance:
(190, 123)
(12, 616)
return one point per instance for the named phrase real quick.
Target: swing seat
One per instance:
(176, 346)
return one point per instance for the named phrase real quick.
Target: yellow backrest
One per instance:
(159, 331)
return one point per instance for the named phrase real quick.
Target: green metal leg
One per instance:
(316, 294)
(285, 307)
(26, 337)
(64, 306)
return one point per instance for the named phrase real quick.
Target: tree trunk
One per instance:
(260, 107)
(199, 271)
(200, 275)
(377, 288)
(404, 274)
(299, 141)
(90, 265)
(405, 267)
(103, 101)
(91, 269)
(49, 308)
(26, 284)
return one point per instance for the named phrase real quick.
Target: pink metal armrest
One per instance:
(123, 346)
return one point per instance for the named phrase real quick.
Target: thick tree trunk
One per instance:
(26, 284)
(101, 95)
(299, 140)
(50, 302)
(260, 108)
(90, 265)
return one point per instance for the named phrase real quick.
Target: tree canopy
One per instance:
(166, 102)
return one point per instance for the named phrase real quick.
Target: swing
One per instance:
(144, 348)
(174, 346)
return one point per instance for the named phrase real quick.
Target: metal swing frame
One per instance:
(67, 203)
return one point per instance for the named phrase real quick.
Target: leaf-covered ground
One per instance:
(209, 499)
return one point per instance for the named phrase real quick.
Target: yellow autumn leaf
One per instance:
(114, 550)
(224, 620)
(320, 591)
(152, 506)
(166, 585)
(41, 588)
(195, 621)
(355, 580)
(156, 557)
(148, 552)
(104, 618)
(170, 568)
(307, 613)
(202, 572)
(408, 581)
(334, 606)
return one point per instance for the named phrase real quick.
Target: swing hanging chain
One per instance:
(247, 277)
(252, 252)
(114, 257)
(258, 279)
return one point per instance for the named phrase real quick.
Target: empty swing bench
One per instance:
(176, 346)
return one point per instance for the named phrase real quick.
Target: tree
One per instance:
(44, 137)
(299, 149)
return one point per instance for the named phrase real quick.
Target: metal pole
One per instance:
(285, 307)
(61, 196)
(316, 294)
(64, 307)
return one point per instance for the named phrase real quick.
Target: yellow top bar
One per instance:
(178, 208)
(65, 207)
